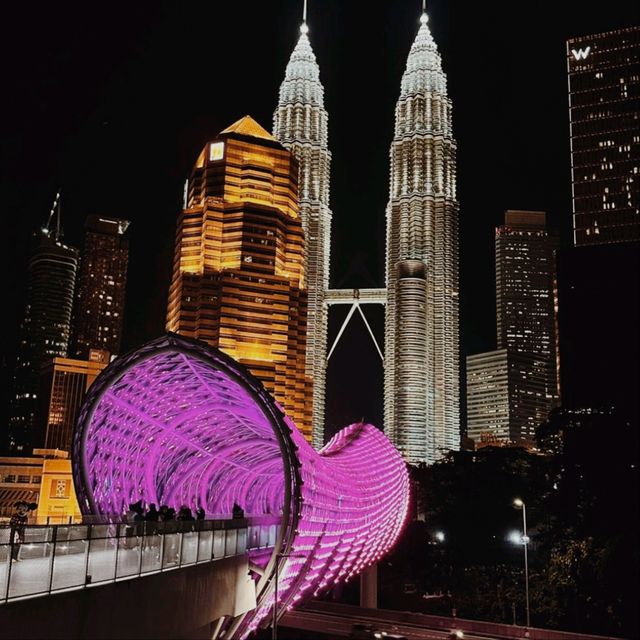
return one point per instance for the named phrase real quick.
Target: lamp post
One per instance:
(274, 625)
(525, 541)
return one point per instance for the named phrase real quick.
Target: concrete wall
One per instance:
(181, 604)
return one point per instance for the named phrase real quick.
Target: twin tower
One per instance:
(251, 268)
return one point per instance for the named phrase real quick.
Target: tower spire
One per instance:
(303, 27)
(424, 18)
(55, 211)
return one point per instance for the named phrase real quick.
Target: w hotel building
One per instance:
(238, 273)
(604, 111)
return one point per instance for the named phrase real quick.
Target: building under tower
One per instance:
(238, 276)
(45, 328)
(421, 327)
(511, 391)
(604, 85)
(527, 293)
(102, 281)
(300, 123)
(63, 387)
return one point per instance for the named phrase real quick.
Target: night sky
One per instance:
(112, 103)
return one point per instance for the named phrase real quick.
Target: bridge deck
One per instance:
(62, 558)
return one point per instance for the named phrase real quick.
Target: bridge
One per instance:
(319, 620)
(148, 579)
(177, 422)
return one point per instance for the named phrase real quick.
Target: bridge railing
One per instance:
(59, 558)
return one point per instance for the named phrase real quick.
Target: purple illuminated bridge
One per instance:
(176, 422)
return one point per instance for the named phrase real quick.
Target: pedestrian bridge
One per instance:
(176, 579)
(69, 557)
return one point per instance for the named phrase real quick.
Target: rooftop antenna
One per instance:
(303, 27)
(55, 210)
(424, 17)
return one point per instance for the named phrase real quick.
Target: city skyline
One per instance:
(531, 183)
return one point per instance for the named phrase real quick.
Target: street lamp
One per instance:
(525, 542)
(274, 626)
(439, 535)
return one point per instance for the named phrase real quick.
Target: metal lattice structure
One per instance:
(300, 123)
(176, 422)
(422, 394)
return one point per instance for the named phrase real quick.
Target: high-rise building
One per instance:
(505, 397)
(102, 280)
(65, 383)
(604, 113)
(422, 393)
(45, 327)
(300, 123)
(238, 277)
(526, 293)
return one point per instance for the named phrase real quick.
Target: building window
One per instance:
(216, 151)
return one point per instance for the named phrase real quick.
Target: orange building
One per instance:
(44, 478)
(64, 384)
(238, 273)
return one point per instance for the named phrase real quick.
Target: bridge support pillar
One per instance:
(369, 588)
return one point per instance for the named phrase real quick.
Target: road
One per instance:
(339, 625)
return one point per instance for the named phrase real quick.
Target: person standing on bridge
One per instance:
(18, 524)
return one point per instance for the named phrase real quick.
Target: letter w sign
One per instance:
(581, 54)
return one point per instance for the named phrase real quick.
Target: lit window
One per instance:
(216, 151)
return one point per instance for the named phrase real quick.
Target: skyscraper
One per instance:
(421, 329)
(505, 397)
(45, 327)
(238, 277)
(300, 123)
(64, 385)
(101, 286)
(526, 293)
(604, 85)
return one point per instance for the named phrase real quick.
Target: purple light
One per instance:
(177, 422)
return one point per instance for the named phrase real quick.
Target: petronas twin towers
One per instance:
(421, 359)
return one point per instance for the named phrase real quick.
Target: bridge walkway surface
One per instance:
(58, 558)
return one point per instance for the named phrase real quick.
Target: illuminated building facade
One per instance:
(64, 386)
(45, 328)
(44, 478)
(238, 278)
(177, 422)
(421, 329)
(506, 397)
(527, 295)
(604, 85)
(101, 286)
(300, 123)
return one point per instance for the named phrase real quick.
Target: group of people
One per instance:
(138, 513)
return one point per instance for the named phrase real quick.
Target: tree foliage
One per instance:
(582, 516)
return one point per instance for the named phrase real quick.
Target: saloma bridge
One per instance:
(177, 422)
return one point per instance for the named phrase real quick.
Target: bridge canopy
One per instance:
(176, 422)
